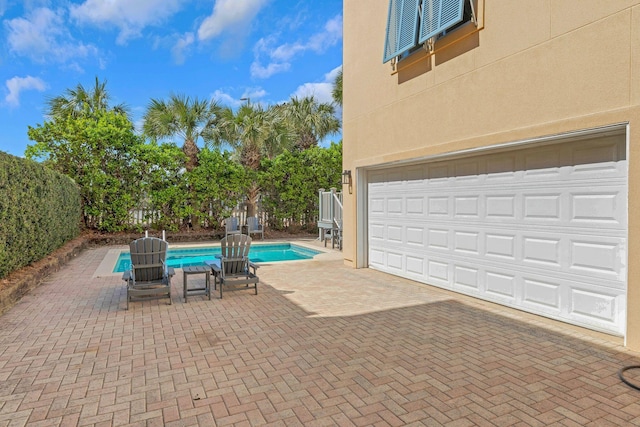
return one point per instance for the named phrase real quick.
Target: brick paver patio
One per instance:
(321, 344)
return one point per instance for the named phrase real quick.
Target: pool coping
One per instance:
(105, 268)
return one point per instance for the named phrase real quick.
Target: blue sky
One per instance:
(264, 50)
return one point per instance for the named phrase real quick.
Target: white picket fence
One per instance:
(150, 218)
(147, 217)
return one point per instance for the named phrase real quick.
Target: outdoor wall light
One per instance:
(346, 177)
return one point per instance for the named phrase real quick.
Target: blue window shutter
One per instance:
(402, 27)
(439, 15)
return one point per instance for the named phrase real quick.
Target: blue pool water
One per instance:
(186, 257)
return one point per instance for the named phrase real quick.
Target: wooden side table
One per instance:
(199, 269)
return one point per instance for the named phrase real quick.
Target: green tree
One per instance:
(80, 102)
(336, 93)
(291, 181)
(219, 183)
(326, 166)
(181, 116)
(95, 149)
(186, 118)
(163, 180)
(310, 121)
(253, 133)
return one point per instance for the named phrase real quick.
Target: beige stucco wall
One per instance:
(534, 68)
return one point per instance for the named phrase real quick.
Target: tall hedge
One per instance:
(40, 210)
(290, 183)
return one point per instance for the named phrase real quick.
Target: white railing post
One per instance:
(332, 208)
(320, 218)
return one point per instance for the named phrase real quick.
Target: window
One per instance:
(467, 16)
(412, 22)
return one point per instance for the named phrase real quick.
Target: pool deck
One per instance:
(321, 344)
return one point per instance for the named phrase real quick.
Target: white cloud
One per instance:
(253, 95)
(287, 51)
(331, 75)
(263, 72)
(321, 90)
(331, 35)
(16, 85)
(230, 15)
(224, 98)
(278, 58)
(43, 37)
(129, 16)
(181, 46)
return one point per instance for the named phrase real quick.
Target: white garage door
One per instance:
(541, 229)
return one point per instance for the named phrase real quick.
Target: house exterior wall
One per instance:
(533, 69)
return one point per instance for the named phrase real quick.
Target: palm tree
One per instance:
(253, 133)
(80, 101)
(189, 119)
(336, 93)
(310, 120)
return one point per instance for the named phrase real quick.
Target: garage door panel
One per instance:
(376, 258)
(395, 206)
(542, 295)
(466, 242)
(438, 206)
(604, 258)
(500, 246)
(466, 278)
(376, 206)
(542, 207)
(600, 207)
(461, 269)
(438, 271)
(376, 231)
(580, 254)
(550, 239)
(500, 285)
(438, 239)
(394, 261)
(595, 307)
(466, 207)
(415, 236)
(395, 234)
(415, 265)
(415, 206)
(500, 206)
(542, 251)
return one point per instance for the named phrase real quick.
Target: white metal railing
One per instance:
(330, 216)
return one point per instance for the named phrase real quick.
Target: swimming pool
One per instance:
(187, 257)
